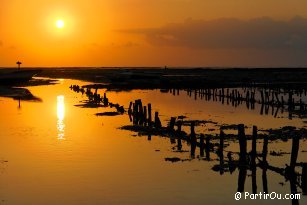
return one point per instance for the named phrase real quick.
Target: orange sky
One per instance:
(154, 32)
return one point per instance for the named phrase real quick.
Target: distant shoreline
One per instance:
(151, 78)
(182, 78)
(154, 67)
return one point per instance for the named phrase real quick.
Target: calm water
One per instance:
(52, 152)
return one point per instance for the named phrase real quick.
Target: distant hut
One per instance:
(18, 64)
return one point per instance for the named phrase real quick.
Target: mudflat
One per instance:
(132, 78)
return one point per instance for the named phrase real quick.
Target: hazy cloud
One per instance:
(13, 47)
(128, 44)
(230, 33)
(1, 43)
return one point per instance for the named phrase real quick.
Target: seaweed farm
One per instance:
(152, 146)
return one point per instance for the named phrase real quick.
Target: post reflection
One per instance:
(60, 115)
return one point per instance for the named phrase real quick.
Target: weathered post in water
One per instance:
(221, 152)
(178, 134)
(145, 115)
(171, 130)
(304, 178)
(294, 151)
(158, 124)
(241, 178)
(172, 123)
(193, 139)
(242, 158)
(243, 144)
(265, 163)
(254, 150)
(253, 160)
(149, 115)
(201, 144)
(207, 147)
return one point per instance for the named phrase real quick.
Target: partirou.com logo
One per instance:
(266, 196)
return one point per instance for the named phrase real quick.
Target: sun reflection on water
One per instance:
(60, 115)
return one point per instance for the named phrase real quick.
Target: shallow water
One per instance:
(53, 152)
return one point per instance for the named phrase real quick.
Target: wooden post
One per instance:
(201, 144)
(140, 112)
(294, 152)
(178, 134)
(247, 96)
(262, 97)
(221, 147)
(290, 101)
(145, 115)
(207, 147)
(171, 130)
(242, 158)
(304, 179)
(254, 151)
(149, 115)
(193, 139)
(130, 106)
(265, 149)
(261, 109)
(253, 160)
(243, 144)
(172, 123)
(254, 138)
(293, 188)
(264, 180)
(267, 99)
(221, 153)
(136, 113)
(241, 178)
(157, 121)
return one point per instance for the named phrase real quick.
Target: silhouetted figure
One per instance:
(18, 64)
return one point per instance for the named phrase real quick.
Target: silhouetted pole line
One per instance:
(194, 142)
(96, 99)
(139, 118)
(275, 99)
(289, 171)
(142, 116)
(204, 143)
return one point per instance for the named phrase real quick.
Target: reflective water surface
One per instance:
(53, 152)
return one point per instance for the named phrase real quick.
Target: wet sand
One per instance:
(19, 92)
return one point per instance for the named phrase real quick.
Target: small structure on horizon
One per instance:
(18, 64)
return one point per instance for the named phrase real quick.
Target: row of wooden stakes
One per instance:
(95, 97)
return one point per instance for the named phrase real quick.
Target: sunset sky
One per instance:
(153, 33)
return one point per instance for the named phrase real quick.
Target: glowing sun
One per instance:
(60, 23)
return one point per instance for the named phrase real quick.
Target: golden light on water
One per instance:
(60, 115)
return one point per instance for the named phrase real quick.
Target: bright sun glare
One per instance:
(60, 23)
